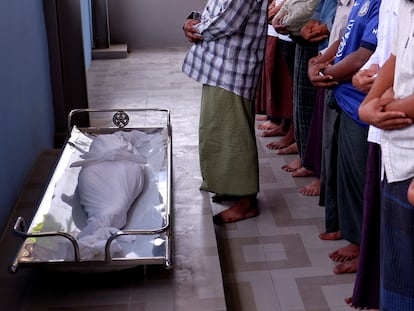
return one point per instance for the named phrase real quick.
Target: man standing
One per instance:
(348, 134)
(226, 57)
(389, 106)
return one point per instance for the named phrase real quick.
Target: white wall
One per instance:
(150, 23)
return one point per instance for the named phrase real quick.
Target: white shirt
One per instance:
(398, 145)
(387, 27)
(343, 9)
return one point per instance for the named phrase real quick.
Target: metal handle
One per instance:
(20, 230)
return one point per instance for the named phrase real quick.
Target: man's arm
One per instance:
(277, 19)
(318, 65)
(274, 9)
(383, 82)
(316, 34)
(228, 21)
(372, 109)
(364, 79)
(300, 13)
(313, 30)
(404, 105)
(347, 67)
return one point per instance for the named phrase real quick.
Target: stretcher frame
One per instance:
(120, 120)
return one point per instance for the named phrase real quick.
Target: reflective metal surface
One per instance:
(146, 237)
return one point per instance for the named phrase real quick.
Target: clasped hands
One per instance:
(377, 112)
(191, 32)
(314, 31)
(317, 75)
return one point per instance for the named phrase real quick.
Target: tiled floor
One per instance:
(272, 262)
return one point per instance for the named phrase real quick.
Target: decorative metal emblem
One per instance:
(120, 119)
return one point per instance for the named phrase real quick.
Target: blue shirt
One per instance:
(325, 13)
(361, 31)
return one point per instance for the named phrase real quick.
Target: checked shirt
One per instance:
(231, 53)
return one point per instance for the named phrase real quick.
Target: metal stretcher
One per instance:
(50, 239)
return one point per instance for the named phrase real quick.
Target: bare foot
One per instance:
(281, 143)
(346, 253)
(277, 131)
(274, 145)
(349, 302)
(291, 149)
(261, 117)
(292, 166)
(245, 207)
(330, 236)
(313, 189)
(302, 172)
(287, 140)
(347, 267)
(268, 125)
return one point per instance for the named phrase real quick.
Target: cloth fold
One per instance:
(110, 180)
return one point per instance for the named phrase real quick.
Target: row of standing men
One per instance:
(352, 131)
(341, 92)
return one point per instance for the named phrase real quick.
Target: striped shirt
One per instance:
(231, 53)
(397, 146)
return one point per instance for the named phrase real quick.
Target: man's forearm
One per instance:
(346, 68)
(384, 80)
(405, 105)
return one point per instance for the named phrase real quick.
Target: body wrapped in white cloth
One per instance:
(110, 180)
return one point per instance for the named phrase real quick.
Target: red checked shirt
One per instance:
(231, 53)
